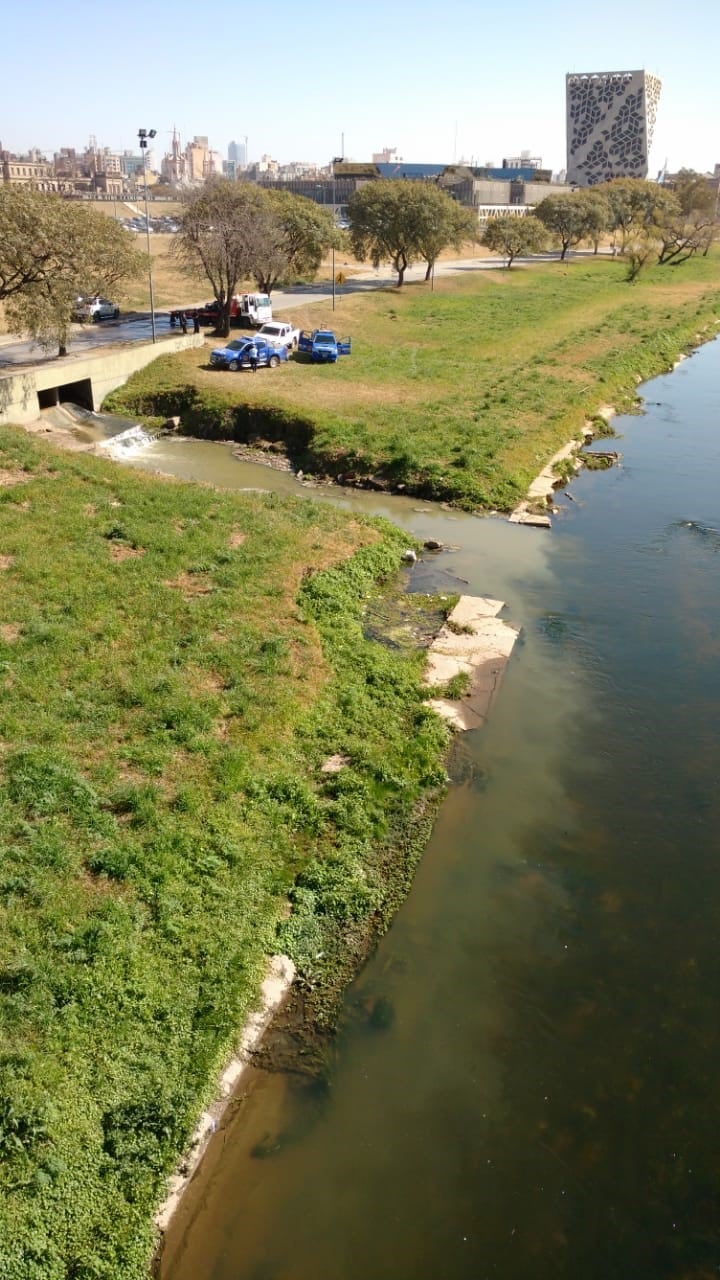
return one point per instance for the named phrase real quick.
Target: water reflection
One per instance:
(524, 1086)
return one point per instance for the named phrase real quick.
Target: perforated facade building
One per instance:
(610, 121)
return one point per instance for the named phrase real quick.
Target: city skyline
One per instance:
(440, 91)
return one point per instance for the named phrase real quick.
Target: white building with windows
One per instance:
(610, 121)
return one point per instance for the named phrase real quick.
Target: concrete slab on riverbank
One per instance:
(476, 644)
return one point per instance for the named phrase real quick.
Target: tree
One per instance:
(597, 219)
(404, 221)
(694, 193)
(641, 250)
(682, 237)
(382, 225)
(636, 206)
(71, 250)
(698, 202)
(570, 218)
(514, 237)
(441, 223)
(298, 234)
(217, 238)
(234, 231)
(27, 238)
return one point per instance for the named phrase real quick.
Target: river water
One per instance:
(540, 1099)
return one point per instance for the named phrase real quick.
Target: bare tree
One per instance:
(216, 240)
(231, 232)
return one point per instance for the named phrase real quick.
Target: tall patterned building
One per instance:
(610, 121)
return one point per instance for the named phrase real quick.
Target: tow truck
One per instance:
(249, 310)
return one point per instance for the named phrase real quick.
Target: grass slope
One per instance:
(175, 666)
(462, 393)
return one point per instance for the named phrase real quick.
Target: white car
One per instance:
(279, 334)
(95, 310)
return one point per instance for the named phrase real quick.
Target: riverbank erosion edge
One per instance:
(459, 397)
(154, 832)
(465, 662)
(274, 990)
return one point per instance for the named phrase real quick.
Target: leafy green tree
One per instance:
(441, 223)
(515, 237)
(298, 234)
(597, 221)
(700, 207)
(29, 238)
(382, 224)
(657, 224)
(570, 218)
(636, 206)
(404, 221)
(72, 250)
(694, 193)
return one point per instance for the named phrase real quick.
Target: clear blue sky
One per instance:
(435, 80)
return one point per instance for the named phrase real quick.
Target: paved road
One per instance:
(84, 338)
(138, 328)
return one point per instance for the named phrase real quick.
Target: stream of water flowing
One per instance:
(540, 1100)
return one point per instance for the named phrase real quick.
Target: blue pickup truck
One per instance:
(236, 355)
(322, 345)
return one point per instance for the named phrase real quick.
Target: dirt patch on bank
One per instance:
(8, 478)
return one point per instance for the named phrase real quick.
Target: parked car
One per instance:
(95, 309)
(322, 346)
(236, 355)
(279, 333)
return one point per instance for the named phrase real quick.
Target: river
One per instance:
(539, 1100)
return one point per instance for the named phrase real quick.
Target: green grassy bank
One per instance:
(175, 665)
(460, 394)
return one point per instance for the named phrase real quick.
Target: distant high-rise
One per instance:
(237, 154)
(610, 121)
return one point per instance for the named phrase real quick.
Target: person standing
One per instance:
(253, 357)
(183, 322)
(196, 322)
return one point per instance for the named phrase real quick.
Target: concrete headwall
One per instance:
(95, 374)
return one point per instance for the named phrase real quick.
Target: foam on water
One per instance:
(127, 444)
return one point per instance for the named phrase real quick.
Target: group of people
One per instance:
(181, 318)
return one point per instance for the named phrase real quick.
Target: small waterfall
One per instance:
(112, 436)
(126, 444)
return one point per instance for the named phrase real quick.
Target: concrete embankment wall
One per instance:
(84, 379)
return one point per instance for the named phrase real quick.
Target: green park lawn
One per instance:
(463, 393)
(175, 664)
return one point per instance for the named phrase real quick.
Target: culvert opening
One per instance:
(74, 392)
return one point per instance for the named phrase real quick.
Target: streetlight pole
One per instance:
(144, 135)
(334, 229)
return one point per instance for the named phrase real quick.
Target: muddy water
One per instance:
(526, 1083)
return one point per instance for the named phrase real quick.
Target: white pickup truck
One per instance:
(279, 333)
